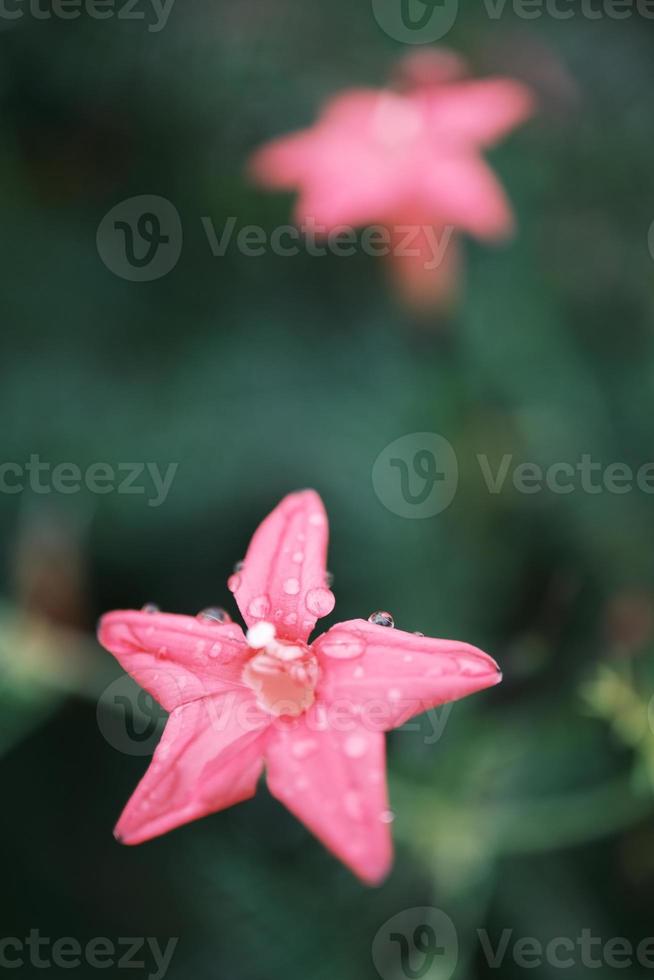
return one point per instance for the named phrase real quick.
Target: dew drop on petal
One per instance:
(317, 519)
(162, 652)
(291, 586)
(381, 618)
(214, 614)
(418, 633)
(291, 619)
(387, 816)
(320, 602)
(150, 607)
(358, 672)
(304, 748)
(342, 647)
(394, 694)
(353, 805)
(355, 746)
(298, 557)
(234, 582)
(259, 606)
(239, 566)
(215, 649)
(329, 579)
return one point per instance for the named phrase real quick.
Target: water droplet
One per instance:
(298, 557)
(234, 582)
(329, 579)
(291, 619)
(355, 746)
(394, 694)
(239, 566)
(259, 607)
(417, 633)
(408, 658)
(387, 816)
(304, 748)
(353, 805)
(150, 607)
(215, 649)
(381, 618)
(320, 602)
(343, 646)
(317, 519)
(358, 672)
(162, 652)
(214, 614)
(291, 586)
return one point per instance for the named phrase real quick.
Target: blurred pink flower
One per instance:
(314, 715)
(408, 156)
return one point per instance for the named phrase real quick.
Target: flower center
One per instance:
(283, 674)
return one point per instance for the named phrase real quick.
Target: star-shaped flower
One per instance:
(313, 714)
(408, 158)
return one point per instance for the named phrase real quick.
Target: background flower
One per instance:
(409, 159)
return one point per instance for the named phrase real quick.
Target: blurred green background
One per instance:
(257, 376)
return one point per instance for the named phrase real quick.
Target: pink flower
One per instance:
(409, 158)
(313, 714)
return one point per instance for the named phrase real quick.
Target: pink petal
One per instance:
(209, 758)
(176, 658)
(285, 162)
(283, 580)
(335, 783)
(460, 189)
(387, 676)
(479, 112)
